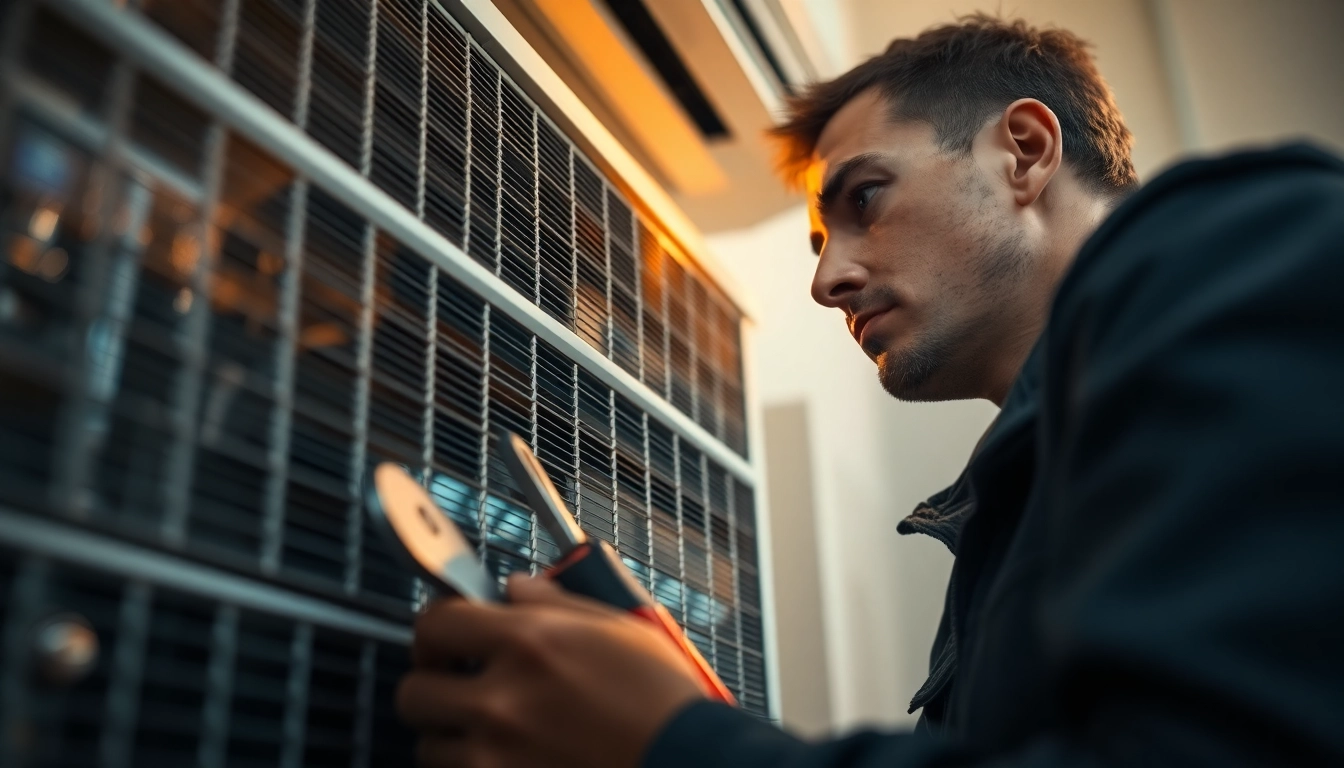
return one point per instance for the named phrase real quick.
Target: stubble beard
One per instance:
(906, 373)
(940, 363)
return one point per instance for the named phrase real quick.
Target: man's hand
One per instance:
(559, 680)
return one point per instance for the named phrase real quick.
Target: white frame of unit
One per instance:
(196, 81)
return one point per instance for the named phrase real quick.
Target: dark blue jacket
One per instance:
(1151, 566)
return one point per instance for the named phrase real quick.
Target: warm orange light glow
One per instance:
(184, 254)
(670, 139)
(269, 264)
(23, 253)
(812, 178)
(320, 335)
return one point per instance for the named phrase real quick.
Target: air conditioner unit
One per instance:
(251, 247)
(689, 86)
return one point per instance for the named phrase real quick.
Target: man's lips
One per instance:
(861, 321)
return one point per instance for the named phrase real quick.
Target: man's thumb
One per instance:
(539, 590)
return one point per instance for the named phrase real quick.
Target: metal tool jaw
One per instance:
(541, 494)
(427, 539)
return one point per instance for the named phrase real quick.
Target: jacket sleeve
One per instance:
(1192, 444)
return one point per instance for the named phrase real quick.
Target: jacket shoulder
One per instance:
(1209, 181)
(1210, 216)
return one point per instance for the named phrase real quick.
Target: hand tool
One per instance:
(590, 567)
(427, 539)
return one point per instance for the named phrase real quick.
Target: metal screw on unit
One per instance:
(65, 649)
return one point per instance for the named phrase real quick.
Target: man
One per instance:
(1149, 538)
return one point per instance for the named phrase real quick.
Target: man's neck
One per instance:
(1070, 226)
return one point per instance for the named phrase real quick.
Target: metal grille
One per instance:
(202, 348)
(452, 138)
(189, 680)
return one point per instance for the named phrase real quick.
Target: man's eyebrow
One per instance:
(831, 189)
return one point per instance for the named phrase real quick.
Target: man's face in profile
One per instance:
(918, 246)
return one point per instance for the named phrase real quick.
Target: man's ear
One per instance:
(1028, 132)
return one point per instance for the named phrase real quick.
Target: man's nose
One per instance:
(837, 278)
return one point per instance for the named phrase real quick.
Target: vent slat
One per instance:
(483, 235)
(396, 101)
(632, 515)
(194, 22)
(446, 131)
(339, 74)
(266, 52)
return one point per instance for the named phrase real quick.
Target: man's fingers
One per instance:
(453, 630)
(440, 751)
(441, 704)
(434, 751)
(453, 634)
(539, 590)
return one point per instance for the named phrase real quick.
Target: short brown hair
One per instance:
(955, 77)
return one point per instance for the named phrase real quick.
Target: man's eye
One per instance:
(862, 196)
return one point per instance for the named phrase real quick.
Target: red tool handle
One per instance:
(709, 679)
(594, 570)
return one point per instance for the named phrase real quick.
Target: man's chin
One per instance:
(910, 377)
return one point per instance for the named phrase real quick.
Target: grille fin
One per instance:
(447, 96)
(483, 232)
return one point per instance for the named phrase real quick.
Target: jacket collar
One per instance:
(945, 513)
(942, 515)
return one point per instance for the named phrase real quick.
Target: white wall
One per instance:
(1260, 71)
(1188, 75)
